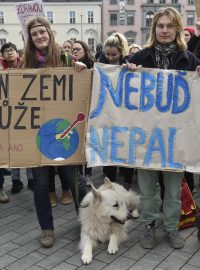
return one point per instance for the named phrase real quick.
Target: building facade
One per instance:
(93, 21)
(76, 20)
(133, 18)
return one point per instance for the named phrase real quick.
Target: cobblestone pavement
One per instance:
(20, 248)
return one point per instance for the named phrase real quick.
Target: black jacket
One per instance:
(185, 60)
(192, 44)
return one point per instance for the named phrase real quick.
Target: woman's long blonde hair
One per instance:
(53, 52)
(118, 41)
(175, 16)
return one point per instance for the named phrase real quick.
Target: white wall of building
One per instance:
(63, 29)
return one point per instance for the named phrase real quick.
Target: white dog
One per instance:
(103, 215)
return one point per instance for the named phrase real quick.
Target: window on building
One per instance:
(91, 44)
(130, 36)
(50, 16)
(190, 19)
(162, 1)
(72, 17)
(2, 17)
(113, 2)
(149, 18)
(190, 2)
(149, 1)
(2, 41)
(130, 2)
(130, 18)
(113, 19)
(90, 17)
(174, 2)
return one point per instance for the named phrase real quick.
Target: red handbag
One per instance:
(188, 208)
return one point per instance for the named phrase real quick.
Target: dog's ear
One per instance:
(107, 183)
(96, 194)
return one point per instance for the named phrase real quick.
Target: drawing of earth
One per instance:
(51, 145)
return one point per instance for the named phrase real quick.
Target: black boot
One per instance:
(6, 172)
(17, 186)
(30, 184)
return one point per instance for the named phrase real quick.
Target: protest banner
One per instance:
(27, 11)
(197, 6)
(43, 116)
(146, 119)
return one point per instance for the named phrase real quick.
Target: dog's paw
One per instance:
(112, 249)
(86, 258)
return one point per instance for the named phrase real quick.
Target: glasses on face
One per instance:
(7, 51)
(76, 49)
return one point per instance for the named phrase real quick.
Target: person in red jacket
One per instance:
(10, 59)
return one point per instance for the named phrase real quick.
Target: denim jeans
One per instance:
(52, 174)
(41, 191)
(15, 174)
(1, 177)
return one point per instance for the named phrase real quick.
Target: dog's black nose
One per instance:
(129, 216)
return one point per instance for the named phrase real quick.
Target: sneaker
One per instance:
(148, 240)
(3, 197)
(47, 238)
(66, 197)
(30, 184)
(53, 199)
(88, 180)
(17, 186)
(175, 240)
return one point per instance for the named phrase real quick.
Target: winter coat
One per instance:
(185, 60)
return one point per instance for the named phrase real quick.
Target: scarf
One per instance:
(165, 55)
(40, 59)
(66, 58)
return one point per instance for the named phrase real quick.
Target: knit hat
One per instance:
(190, 29)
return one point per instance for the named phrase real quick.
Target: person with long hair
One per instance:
(82, 53)
(43, 51)
(115, 52)
(67, 45)
(165, 49)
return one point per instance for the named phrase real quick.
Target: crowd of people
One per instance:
(169, 46)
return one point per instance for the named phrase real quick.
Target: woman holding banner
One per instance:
(165, 49)
(82, 53)
(42, 51)
(115, 52)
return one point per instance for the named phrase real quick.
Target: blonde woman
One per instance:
(116, 52)
(133, 48)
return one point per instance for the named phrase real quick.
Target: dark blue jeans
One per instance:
(1, 177)
(41, 191)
